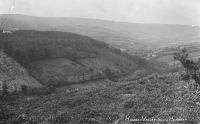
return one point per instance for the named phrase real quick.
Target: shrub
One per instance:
(129, 104)
(107, 72)
(51, 88)
(4, 91)
(24, 89)
(4, 113)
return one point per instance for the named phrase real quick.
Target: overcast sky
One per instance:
(140, 11)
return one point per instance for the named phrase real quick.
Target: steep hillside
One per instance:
(152, 99)
(59, 58)
(14, 75)
(130, 36)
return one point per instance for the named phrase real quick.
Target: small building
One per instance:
(151, 55)
(6, 32)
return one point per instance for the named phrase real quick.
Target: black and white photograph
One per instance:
(99, 61)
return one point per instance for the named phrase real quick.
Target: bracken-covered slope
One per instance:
(14, 75)
(166, 97)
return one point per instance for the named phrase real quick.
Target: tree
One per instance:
(107, 72)
(5, 89)
(188, 64)
(109, 75)
(192, 68)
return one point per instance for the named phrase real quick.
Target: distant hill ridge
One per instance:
(131, 36)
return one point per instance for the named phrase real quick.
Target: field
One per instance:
(166, 54)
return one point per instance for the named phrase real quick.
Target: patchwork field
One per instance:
(166, 54)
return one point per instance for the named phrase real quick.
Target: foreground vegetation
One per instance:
(161, 97)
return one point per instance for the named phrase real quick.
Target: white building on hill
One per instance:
(6, 32)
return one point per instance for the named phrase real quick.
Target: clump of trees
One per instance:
(192, 67)
(109, 75)
(30, 46)
(189, 65)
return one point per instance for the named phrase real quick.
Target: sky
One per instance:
(185, 12)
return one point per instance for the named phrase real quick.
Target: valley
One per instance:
(61, 58)
(91, 71)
